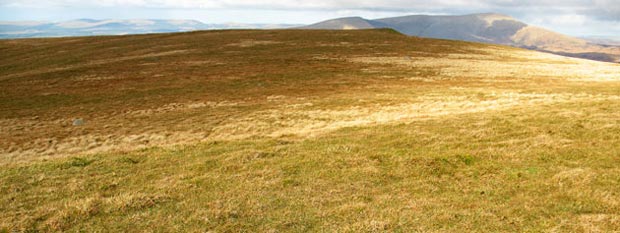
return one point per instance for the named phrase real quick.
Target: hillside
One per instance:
(615, 41)
(485, 28)
(90, 27)
(350, 23)
(304, 130)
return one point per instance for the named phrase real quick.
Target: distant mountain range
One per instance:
(605, 40)
(487, 28)
(90, 27)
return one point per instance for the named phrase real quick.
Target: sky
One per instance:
(572, 17)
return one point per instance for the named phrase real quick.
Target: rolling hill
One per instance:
(90, 27)
(486, 28)
(349, 23)
(603, 40)
(304, 131)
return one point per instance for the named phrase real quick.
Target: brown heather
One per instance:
(304, 130)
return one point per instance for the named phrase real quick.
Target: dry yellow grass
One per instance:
(305, 131)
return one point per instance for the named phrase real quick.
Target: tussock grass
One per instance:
(300, 131)
(521, 170)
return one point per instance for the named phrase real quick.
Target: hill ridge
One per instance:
(490, 27)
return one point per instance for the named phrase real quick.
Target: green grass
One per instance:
(483, 172)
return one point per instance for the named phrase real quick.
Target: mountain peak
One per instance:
(346, 23)
(493, 14)
(351, 18)
(490, 18)
(491, 27)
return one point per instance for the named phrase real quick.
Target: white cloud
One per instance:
(602, 9)
(607, 7)
(568, 20)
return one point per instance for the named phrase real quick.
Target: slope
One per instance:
(489, 28)
(90, 27)
(304, 130)
(346, 24)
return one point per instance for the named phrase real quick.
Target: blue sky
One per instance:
(573, 17)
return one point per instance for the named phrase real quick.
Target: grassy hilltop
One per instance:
(304, 130)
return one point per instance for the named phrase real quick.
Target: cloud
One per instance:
(600, 9)
(605, 10)
(310, 4)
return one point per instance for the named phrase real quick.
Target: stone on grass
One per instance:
(78, 122)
